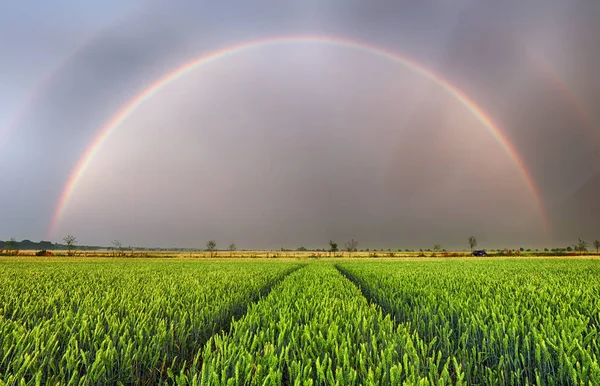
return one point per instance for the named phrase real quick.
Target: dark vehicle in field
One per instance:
(479, 253)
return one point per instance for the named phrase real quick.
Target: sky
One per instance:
(482, 119)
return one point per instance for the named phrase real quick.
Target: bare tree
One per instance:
(351, 246)
(437, 248)
(211, 246)
(232, 248)
(70, 240)
(472, 242)
(333, 247)
(582, 246)
(118, 246)
(597, 245)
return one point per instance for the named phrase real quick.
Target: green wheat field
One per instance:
(466, 321)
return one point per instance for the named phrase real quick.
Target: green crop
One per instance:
(117, 322)
(315, 327)
(351, 322)
(506, 321)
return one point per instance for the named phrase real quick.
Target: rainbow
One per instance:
(105, 131)
(42, 87)
(28, 102)
(562, 89)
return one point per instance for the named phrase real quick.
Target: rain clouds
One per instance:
(295, 144)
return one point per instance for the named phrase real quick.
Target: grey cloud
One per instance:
(314, 143)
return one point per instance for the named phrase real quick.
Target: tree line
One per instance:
(11, 247)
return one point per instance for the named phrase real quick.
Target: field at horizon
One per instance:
(270, 254)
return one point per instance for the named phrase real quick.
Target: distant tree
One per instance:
(232, 248)
(582, 246)
(522, 249)
(545, 249)
(472, 242)
(301, 249)
(10, 245)
(211, 246)
(437, 248)
(597, 245)
(70, 241)
(569, 249)
(333, 247)
(118, 247)
(351, 246)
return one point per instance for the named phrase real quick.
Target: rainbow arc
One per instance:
(105, 131)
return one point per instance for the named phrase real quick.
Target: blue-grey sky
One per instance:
(297, 144)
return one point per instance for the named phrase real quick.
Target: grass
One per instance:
(84, 320)
(100, 321)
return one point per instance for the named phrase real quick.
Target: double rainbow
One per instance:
(172, 76)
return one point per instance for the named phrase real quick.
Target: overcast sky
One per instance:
(298, 143)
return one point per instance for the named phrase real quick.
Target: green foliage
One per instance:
(333, 247)
(315, 327)
(427, 322)
(504, 322)
(10, 246)
(109, 322)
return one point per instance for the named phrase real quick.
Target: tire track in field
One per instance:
(371, 297)
(386, 310)
(239, 310)
(315, 327)
(222, 325)
(367, 293)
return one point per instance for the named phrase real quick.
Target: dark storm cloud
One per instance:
(488, 52)
(475, 45)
